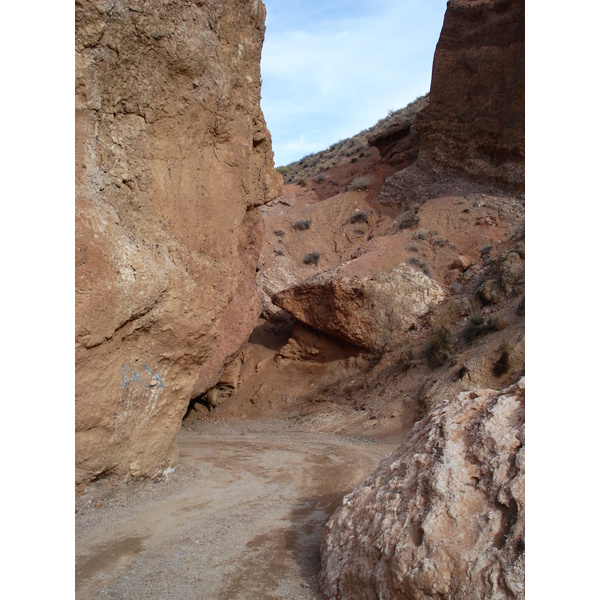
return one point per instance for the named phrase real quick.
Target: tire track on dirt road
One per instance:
(241, 518)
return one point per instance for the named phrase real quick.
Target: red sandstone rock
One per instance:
(369, 301)
(171, 152)
(398, 144)
(475, 122)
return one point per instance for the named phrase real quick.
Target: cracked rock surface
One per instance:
(172, 151)
(444, 515)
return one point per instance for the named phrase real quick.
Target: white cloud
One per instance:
(338, 68)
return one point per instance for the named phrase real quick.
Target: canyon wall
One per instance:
(475, 122)
(172, 150)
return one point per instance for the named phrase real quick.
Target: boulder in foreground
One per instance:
(444, 515)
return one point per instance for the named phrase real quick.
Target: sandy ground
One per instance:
(241, 517)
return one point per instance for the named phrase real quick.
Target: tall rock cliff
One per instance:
(475, 122)
(171, 152)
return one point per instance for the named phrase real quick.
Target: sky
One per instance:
(331, 68)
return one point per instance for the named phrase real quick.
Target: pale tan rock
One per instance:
(171, 152)
(462, 263)
(369, 301)
(444, 515)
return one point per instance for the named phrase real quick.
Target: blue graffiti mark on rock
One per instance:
(130, 376)
(125, 371)
(155, 376)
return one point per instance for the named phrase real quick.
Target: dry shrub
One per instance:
(301, 225)
(359, 217)
(312, 258)
(409, 222)
(440, 347)
(360, 183)
(478, 325)
(502, 365)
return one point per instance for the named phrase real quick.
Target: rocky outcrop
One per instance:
(171, 152)
(242, 313)
(369, 301)
(398, 143)
(475, 123)
(443, 516)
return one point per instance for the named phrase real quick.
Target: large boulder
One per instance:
(444, 515)
(171, 152)
(369, 301)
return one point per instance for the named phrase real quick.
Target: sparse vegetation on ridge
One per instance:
(360, 183)
(349, 149)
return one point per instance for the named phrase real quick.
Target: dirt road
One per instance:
(240, 518)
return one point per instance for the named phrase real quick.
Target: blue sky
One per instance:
(332, 68)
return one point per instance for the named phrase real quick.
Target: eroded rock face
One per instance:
(369, 301)
(475, 122)
(399, 144)
(171, 152)
(444, 515)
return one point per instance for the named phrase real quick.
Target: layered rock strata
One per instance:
(444, 515)
(474, 125)
(171, 152)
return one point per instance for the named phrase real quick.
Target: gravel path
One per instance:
(240, 518)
